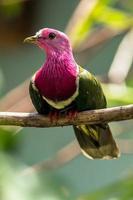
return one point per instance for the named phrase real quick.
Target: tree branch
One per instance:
(68, 153)
(86, 117)
(63, 156)
(123, 60)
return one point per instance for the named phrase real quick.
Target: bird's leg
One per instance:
(69, 111)
(72, 114)
(54, 116)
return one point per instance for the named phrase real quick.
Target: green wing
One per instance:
(96, 141)
(91, 95)
(40, 104)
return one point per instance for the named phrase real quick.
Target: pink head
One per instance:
(51, 40)
(57, 78)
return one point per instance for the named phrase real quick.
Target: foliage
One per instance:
(8, 142)
(118, 94)
(101, 14)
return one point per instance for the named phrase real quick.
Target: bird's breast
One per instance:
(56, 85)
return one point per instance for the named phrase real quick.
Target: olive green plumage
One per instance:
(96, 141)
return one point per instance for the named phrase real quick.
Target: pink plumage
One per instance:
(57, 78)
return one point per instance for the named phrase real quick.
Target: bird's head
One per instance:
(50, 40)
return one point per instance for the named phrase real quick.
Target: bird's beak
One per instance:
(31, 39)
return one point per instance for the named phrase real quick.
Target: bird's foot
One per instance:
(54, 116)
(72, 114)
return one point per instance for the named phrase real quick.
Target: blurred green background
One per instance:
(102, 39)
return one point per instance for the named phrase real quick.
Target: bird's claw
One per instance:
(72, 114)
(54, 116)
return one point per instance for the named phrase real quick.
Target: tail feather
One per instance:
(96, 141)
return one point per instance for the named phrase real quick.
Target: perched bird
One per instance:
(61, 85)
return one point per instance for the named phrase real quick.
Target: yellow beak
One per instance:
(31, 39)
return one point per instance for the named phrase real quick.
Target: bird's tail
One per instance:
(96, 141)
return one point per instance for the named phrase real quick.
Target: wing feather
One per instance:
(40, 104)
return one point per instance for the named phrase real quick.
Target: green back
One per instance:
(91, 95)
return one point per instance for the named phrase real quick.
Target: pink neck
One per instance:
(56, 79)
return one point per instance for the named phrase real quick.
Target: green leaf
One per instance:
(98, 13)
(118, 94)
(81, 23)
(7, 139)
(113, 18)
(84, 21)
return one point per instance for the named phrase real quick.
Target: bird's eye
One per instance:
(52, 36)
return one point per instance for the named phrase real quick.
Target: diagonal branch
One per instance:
(68, 153)
(86, 117)
(123, 60)
(63, 156)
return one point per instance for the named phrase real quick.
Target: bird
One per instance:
(60, 85)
